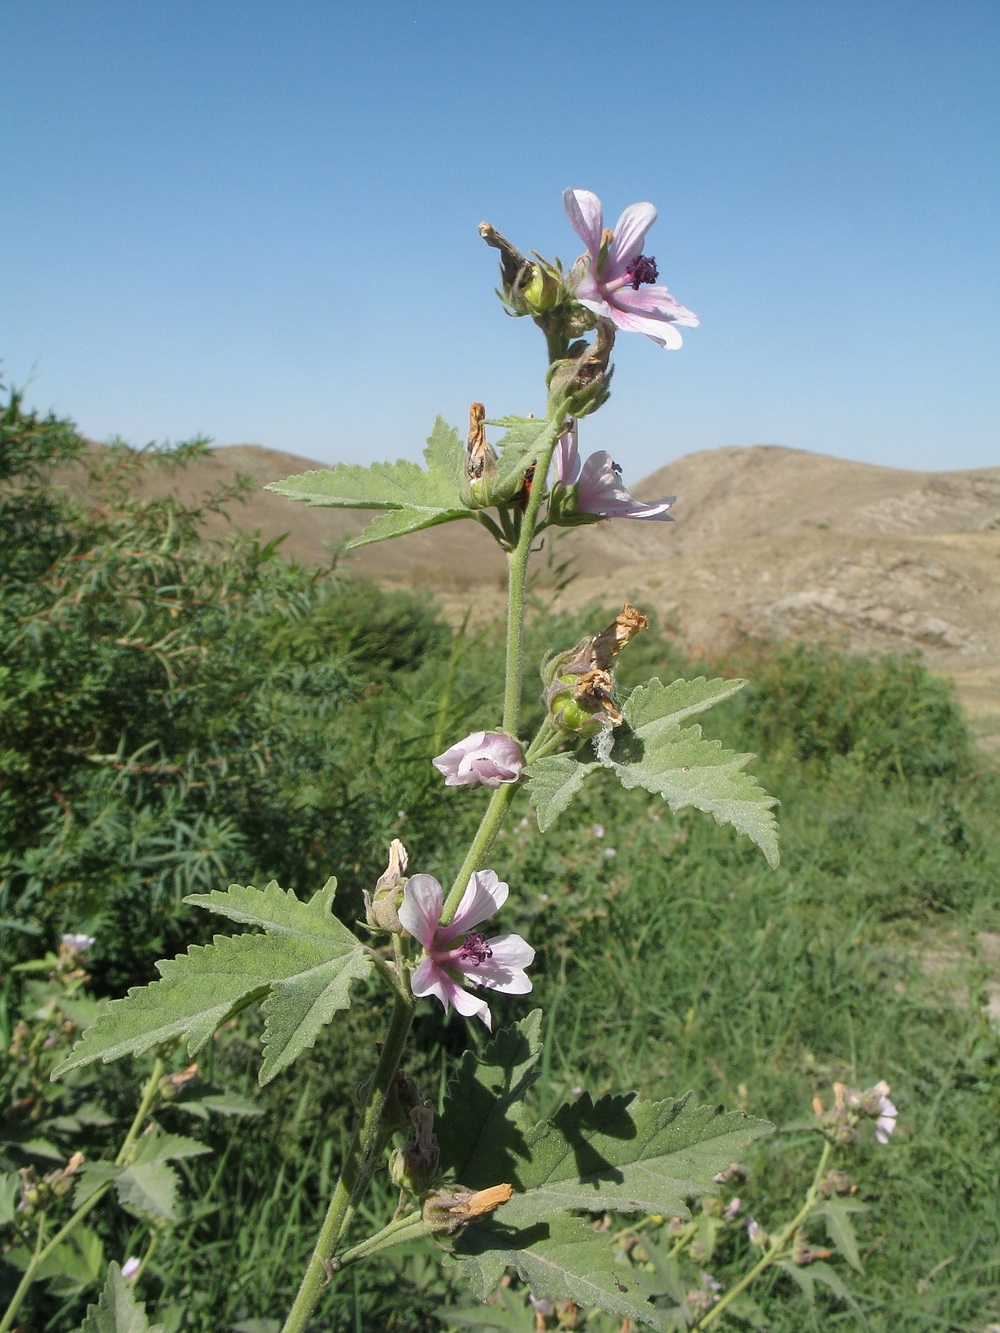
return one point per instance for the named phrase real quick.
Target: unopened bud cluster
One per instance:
(841, 1122)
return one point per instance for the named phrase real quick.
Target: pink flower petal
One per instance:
(504, 971)
(629, 236)
(420, 910)
(484, 895)
(656, 301)
(586, 217)
(659, 330)
(566, 457)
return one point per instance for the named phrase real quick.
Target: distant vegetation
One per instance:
(175, 716)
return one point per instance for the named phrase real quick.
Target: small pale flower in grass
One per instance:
(732, 1207)
(598, 482)
(757, 1234)
(608, 278)
(458, 956)
(130, 1267)
(486, 757)
(885, 1119)
(76, 943)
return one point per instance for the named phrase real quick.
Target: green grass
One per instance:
(670, 957)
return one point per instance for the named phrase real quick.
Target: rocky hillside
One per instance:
(767, 540)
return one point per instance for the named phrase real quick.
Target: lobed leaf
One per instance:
(518, 449)
(836, 1212)
(652, 750)
(117, 1310)
(304, 965)
(474, 1126)
(620, 1153)
(416, 497)
(562, 1258)
(552, 782)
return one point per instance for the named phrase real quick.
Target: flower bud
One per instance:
(414, 1166)
(543, 291)
(382, 905)
(446, 1211)
(487, 757)
(581, 382)
(516, 272)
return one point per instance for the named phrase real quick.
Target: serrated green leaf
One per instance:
(621, 1153)
(146, 1184)
(552, 783)
(822, 1272)
(416, 497)
(10, 1191)
(221, 1103)
(801, 1276)
(474, 1125)
(304, 965)
(167, 1148)
(149, 1187)
(117, 1311)
(561, 1258)
(750, 1312)
(518, 449)
(651, 750)
(836, 1213)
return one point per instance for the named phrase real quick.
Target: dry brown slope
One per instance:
(766, 540)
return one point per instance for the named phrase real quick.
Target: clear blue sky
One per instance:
(258, 221)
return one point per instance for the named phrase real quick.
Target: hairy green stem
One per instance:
(517, 569)
(489, 827)
(42, 1253)
(776, 1247)
(368, 1140)
(517, 565)
(411, 1226)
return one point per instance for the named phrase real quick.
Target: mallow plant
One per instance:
(499, 1190)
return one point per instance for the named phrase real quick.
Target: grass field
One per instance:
(669, 956)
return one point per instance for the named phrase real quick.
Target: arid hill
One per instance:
(767, 540)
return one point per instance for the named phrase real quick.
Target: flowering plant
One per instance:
(494, 1188)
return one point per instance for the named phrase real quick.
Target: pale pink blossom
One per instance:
(732, 1207)
(757, 1234)
(130, 1267)
(76, 943)
(609, 279)
(458, 956)
(487, 757)
(599, 483)
(885, 1120)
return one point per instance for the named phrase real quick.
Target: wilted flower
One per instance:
(487, 757)
(608, 278)
(598, 483)
(453, 962)
(541, 1305)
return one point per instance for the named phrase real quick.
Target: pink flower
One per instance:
(453, 963)
(609, 276)
(130, 1267)
(599, 483)
(885, 1120)
(487, 757)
